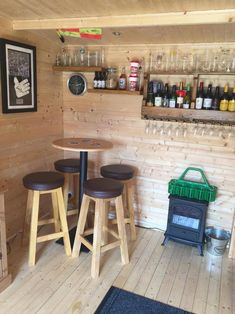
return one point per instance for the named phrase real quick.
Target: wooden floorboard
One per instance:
(174, 274)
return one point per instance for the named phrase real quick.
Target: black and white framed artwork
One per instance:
(18, 77)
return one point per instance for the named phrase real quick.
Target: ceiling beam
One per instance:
(160, 19)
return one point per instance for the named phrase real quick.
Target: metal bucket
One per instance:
(216, 240)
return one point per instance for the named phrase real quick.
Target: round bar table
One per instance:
(82, 145)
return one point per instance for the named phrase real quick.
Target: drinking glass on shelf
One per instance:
(158, 61)
(65, 58)
(154, 129)
(185, 63)
(161, 129)
(211, 130)
(206, 63)
(93, 58)
(233, 64)
(83, 56)
(214, 64)
(177, 130)
(147, 126)
(58, 59)
(172, 58)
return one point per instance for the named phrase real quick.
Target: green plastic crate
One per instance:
(201, 191)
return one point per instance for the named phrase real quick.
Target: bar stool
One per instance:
(70, 168)
(101, 190)
(38, 183)
(125, 174)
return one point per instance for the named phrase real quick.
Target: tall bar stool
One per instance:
(125, 174)
(70, 168)
(38, 183)
(101, 190)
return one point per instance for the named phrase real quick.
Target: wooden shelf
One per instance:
(191, 73)
(77, 68)
(114, 91)
(188, 115)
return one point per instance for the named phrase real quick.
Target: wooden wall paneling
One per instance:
(5, 277)
(157, 156)
(25, 143)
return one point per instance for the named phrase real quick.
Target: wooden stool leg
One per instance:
(131, 210)
(55, 211)
(95, 264)
(63, 220)
(76, 189)
(27, 216)
(81, 225)
(66, 190)
(124, 198)
(105, 222)
(122, 230)
(33, 228)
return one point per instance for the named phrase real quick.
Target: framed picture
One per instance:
(18, 77)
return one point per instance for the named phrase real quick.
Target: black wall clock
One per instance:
(77, 84)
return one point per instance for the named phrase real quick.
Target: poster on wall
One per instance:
(18, 77)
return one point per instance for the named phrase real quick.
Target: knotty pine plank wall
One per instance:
(25, 141)
(159, 151)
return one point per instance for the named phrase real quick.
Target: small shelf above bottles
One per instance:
(77, 68)
(188, 115)
(114, 91)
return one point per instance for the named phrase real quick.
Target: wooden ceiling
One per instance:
(138, 21)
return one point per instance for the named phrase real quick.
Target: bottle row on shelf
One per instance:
(180, 96)
(109, 78)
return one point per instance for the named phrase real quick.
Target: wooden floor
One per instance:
(174, 274)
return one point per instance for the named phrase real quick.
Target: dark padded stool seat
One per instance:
(70, 165)
(103, 188)
(118, 172)
(43, 181)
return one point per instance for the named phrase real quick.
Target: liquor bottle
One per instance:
(207, 102)
(172, 100)
(180, 96)
(158, 96)
(150, 95)
(102, 80)
(98, 79)
(187, 98)
(122, 82)
(95, 81)
(200, 96)
(224, 99)
(216, 99)
(231, 104)
(165, 98)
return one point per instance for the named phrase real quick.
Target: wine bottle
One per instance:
(150, 95)
(200, 96)
(172, 100)
(224, 99)
(207, 102)
(180, 96)
(187, 98)
(158, 96)
(231, 104)
(165, 98)
(216, 99)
